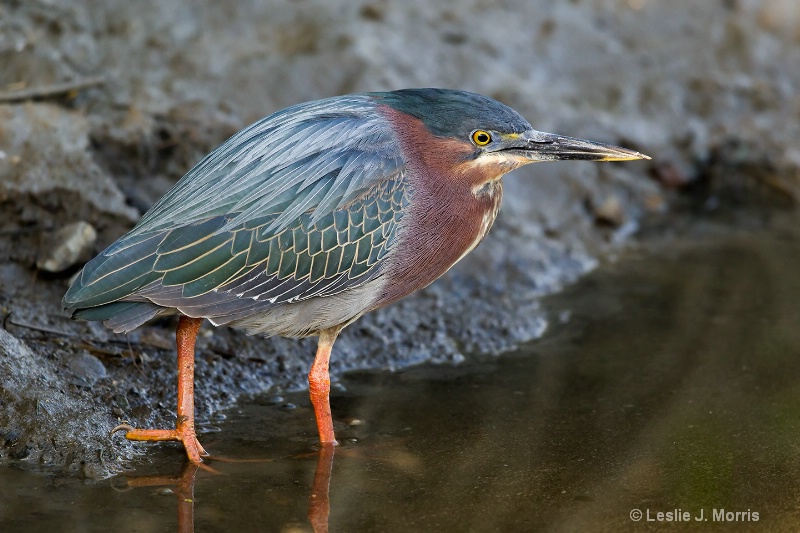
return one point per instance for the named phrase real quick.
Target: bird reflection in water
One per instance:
(319, 504)
(182, 485)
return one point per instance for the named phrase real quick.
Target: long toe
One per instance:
(194, 450)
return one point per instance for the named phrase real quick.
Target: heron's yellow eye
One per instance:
(481, 138)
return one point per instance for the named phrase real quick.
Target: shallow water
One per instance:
(671, 383)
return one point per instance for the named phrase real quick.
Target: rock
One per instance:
(610, 212)
(48, 158)
(86, 368)
(67, 247)
(49, 178)
(45, 420)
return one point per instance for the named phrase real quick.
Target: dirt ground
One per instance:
(105, 104)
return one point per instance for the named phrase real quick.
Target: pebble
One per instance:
(86, 369)
(68, 246)
(610, 212)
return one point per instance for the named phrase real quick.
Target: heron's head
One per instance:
(477, 133)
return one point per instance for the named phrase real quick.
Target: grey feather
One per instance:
(293, 150)
(121, 317)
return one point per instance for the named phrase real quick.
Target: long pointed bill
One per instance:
(539, 146)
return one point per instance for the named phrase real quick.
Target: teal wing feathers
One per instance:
(206, 271)
(304, 203)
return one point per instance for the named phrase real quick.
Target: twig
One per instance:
(44, 329)
(51, 90)
(97, 350)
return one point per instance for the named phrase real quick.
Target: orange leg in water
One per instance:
(184, 426)
(319, 386)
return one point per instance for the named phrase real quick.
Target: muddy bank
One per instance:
(704, 89)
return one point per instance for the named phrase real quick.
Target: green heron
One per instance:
(306, 220)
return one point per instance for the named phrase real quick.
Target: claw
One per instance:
(122, 427)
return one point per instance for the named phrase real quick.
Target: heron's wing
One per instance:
(313, 157)
(255, 268)
(204, 270)
(304, 203)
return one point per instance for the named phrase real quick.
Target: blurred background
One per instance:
(105, 104)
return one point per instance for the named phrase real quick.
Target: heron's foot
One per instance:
(183, 433)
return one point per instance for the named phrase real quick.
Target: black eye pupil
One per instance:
(482, 137)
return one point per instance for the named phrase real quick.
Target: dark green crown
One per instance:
(452, 113)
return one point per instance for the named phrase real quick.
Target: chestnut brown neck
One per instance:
(453, 205)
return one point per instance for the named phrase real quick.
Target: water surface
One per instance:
(671, 380)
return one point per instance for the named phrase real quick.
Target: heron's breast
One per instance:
(438, 231)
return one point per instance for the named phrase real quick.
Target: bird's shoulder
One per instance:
(313, 157)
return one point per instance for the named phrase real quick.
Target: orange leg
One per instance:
(319, 386)
(184, 426)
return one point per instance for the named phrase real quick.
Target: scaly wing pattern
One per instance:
(259, 222)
